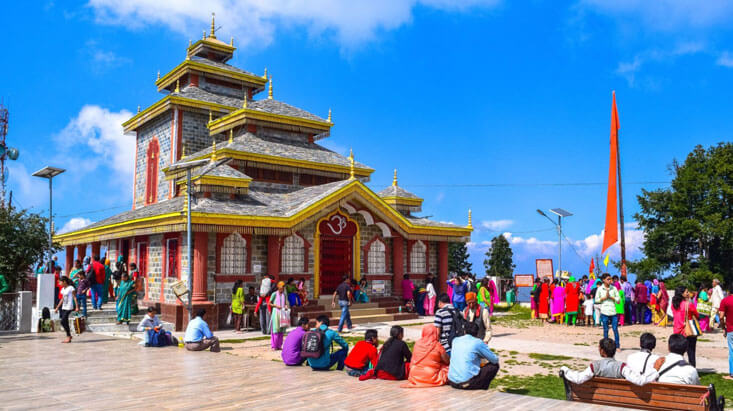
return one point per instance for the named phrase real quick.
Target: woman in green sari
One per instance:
(107, 279)
(124, 299)
(74, 274)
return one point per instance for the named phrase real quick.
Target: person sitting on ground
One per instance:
(198, 336)
(251, 297)
(153, 331)
(328, 359)
(676, 370)
(45, 323)
(364, 355)
(429, 364)
(466, 371)
(444, 321)
(293, 343)
(394, 358)
(643, 360)
(480, 315)
(608, 367)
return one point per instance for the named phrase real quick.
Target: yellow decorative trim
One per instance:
(222, 47)
(403, 201)
(164, 104)
(355, 244)
(470, 225)
(189, 65)
(266, 158)
(241, 116)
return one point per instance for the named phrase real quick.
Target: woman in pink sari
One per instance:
(558, 302)
(494, 296)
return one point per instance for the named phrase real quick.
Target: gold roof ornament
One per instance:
(158, 75)
(329, 115)
(211, 117)
(394, 179)
(183, 155)
(231, 135)
(470, 225)
(178, 86)
(231, 41)
(213, 151)
(212, 35)
(189, 43)
(204, 36)
(138, 108)
(244, 103)
(351, 165)
(269, 91)
(265, 76)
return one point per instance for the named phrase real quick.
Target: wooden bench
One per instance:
(653, 396)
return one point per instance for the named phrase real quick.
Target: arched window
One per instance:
(234, 255)
(151, 178)
(293, 255)
(418, 263)
(377, 260)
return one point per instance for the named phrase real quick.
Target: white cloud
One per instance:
(629, 69)
(74, 224)
(496, 225)
(28, 191)
(725, 59)
(665, 15)
(101, 131)
(256, 21)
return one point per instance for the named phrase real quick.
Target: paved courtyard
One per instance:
(99, 372)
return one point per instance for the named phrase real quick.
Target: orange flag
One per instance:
(592, 267)
(610, 234)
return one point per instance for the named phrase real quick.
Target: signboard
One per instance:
(523, 280)
(564, 274)
(544, 267)
(257, 268)
(378, 286)
(179, 288)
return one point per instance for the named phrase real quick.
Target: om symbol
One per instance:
(340, 224)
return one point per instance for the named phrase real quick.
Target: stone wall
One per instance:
(159, 128)
(195, 135)
(155, 267)
(218, 89)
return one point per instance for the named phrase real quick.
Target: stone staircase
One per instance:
(378, 310)
(104, 321)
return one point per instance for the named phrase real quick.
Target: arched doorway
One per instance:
(337, 255)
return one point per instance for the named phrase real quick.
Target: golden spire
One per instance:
(213, 150)
(470, 225)
(265, 76)
(269, 91)
(329, 115)
(204, 36)
(158, 75)
(213, 35)
(244, 103)
(231, 41)
(138, 108)
(189, 43)
(351, 165)
(183, 155)
(211, 118)
(231, 135)
(394, 179)
(178, 86)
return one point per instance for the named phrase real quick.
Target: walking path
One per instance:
(95, 372)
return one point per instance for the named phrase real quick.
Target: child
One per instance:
(620, 307)
(45, 323)
(608, 367)
(588, 308)
(363, 356)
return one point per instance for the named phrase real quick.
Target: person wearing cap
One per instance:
(279, 320)
(474, 313)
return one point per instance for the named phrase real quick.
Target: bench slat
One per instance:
(612, 399)
(674, 387)
(643, 392)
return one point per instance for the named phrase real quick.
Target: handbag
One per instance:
(229, 318)
(692, 326)
(284, 317)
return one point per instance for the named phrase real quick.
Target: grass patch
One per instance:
(517, 317)
(704, 340)
(545, 386)
(353, 340)
(276, 360)
(241, 340)
(722, 387)
(513, 352)
(414, 324)
(549, 357)
(581, 343)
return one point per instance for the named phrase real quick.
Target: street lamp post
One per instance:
(49, 173)
(560, 214)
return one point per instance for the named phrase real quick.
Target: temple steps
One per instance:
(378, 310)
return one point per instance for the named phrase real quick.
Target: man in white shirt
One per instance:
(608, 367)
(607, 296)
(716, 298)
(261, 308)
(643, 360)
(675, 369)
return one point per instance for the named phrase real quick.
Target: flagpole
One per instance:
(620, 200)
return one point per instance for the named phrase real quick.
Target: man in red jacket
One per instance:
(97, 270)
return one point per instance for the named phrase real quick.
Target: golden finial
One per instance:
(231, 135)
(244, 102)
(211, 117)
(394, 179)
(158, 75)
(188, 55)
(213, 35)
(178, 86)
(231, 41)
(351, 165)
(269, 91)
(189, 43)
(470, 225)
(213, 151)
(265, 76)
(138, 108)
(329, 116)
(184, 151)
(204, 36)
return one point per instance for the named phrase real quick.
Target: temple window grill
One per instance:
(234, 255)
(377, 260)
(418, 262)
(293, 255)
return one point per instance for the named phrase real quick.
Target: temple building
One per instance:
(269, 200)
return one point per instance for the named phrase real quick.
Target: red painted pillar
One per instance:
(95, 250)
(200, 274)
(273, 256)
(398, 253)
(442, 265)
(81, 252)
(69, 258)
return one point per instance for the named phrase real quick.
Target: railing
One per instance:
(10, 312)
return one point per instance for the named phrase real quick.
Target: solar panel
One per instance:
(561, 212)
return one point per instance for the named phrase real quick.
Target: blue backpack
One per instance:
(158, 339)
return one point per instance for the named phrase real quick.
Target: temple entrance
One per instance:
(336, 255)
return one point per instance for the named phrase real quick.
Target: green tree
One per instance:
(689, 226)
(23, 242)
(499, 256)
(458, 259)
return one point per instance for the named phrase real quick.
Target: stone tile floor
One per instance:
(99, 372)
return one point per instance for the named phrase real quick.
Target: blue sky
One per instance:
(502, 107)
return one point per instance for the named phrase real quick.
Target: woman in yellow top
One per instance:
(237, 305)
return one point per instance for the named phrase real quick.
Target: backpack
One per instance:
(312, 344)
(158, 339)
(458, 328)
(91, 276)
